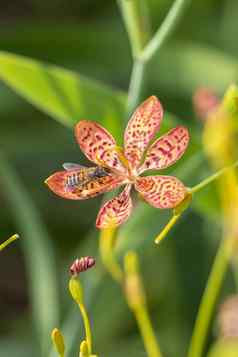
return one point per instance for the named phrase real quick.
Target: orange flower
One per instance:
(123, 166)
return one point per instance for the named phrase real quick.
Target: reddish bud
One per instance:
(205, 101)
(81, 265)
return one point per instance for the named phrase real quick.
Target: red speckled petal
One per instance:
(61, 184)
(161, 191)
(166, 150)
(142, 127)
(116, 211)
(97, 144)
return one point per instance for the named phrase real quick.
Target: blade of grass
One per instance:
(38, 252)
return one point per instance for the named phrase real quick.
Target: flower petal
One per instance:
(63, 183)
(161, 191)
(116, 211)
(98, 144)
(166, 150)
(143, 125)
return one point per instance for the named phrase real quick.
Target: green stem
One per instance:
(87, 327)
(170, 22)
(135, 87)
(209, 298)
(147, 333)
(167, 228)
(136, 21)
(8, 241)
(213, 177)
(106, 243)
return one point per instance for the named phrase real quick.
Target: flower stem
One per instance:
(213, 177)
(137, 23)
(106, 244)
(136, 20)
(136, 299)
(147, 333)
(209, 298)
(135, 86)
(87, 327)
(167, 228)
(167, 27)
(8, 241)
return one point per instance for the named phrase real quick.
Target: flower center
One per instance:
(130, 175)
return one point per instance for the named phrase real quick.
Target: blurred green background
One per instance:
(88, 37)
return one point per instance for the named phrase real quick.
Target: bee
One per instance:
(82, 176)
(78, 182)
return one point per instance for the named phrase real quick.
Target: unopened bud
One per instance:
(76, 290)
(205, 102)
(81, 265)
(84, 351)
(58, 341)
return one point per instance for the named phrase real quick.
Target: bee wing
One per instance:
(68, 166)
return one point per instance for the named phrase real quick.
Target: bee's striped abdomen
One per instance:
(74, 179)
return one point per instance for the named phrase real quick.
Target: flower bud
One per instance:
(205, 102)
(84, 351)
(81, 265)
(76, 290)
(58, 341)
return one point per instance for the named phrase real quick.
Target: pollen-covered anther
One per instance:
(81, 265)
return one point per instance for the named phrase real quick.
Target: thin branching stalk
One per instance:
(106, 245)
(87, 327)
(212, 178)
(147, 332)
(209, 298)
(135, 87)
(136, 299)
(137, 23)
(173, 220)
(136, 20)
(139, 309)
(169, 24)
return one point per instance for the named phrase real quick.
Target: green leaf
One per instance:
(38, 252)
(62, 94)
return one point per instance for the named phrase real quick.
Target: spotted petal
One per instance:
(98, 144)
(142, 127)
(166, 150)
(116, 211)
(63, 184)
(161, 191)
